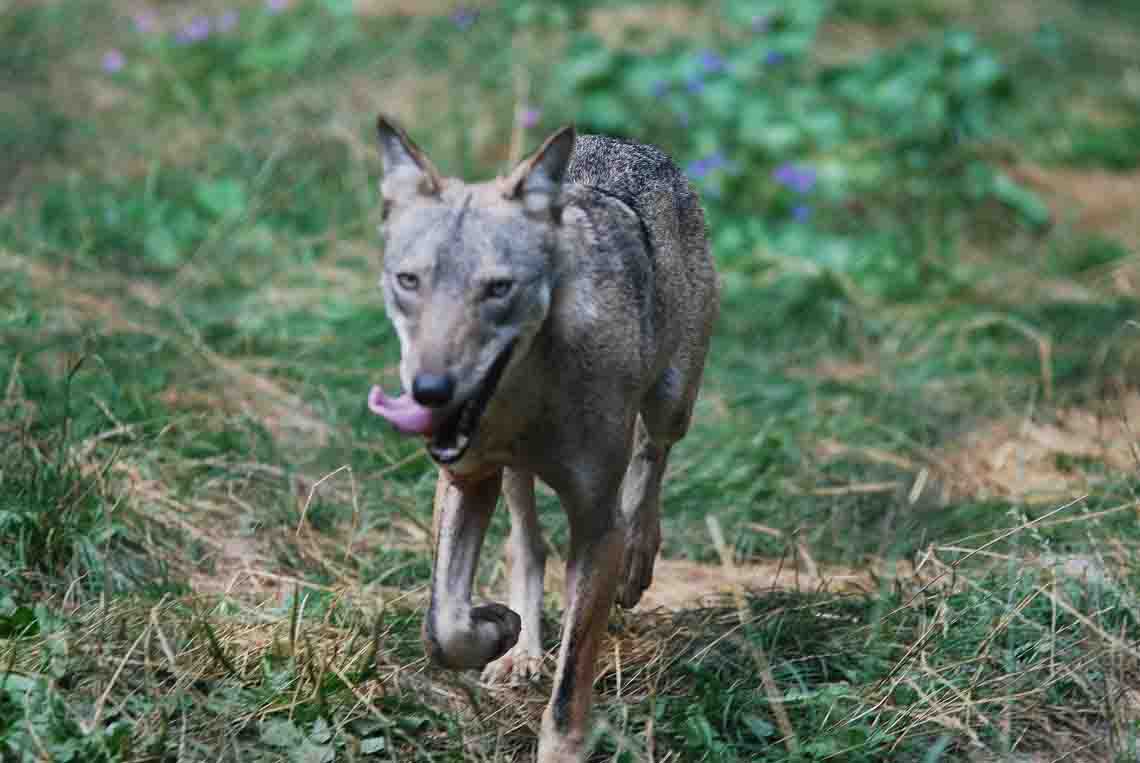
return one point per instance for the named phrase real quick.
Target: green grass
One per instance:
(210, 550)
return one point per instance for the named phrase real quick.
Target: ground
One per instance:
(903, 526)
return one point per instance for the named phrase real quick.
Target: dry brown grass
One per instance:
(248, 564)
(185, 646)
(1095, 200)
(840, 43)
(1051, 455)
(410, 7)
(1047, 458)
(236, 622)
(235, 387)
(680, 584)
(646, 27)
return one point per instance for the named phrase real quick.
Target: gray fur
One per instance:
(613, 300)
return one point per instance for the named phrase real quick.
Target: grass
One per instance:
(916, 442)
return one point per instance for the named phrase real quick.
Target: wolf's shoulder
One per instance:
(623, 167)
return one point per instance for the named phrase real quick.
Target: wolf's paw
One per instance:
(517, 667)
(560, 746)
(638, 567)
(503, 620)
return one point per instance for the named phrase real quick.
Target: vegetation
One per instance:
(903, 527)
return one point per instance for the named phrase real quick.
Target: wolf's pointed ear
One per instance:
(537, 181)
(407, 171)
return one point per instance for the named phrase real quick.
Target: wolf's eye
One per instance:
(499, 288)
(408, 281)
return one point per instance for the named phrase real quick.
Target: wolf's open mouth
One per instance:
(451, 437)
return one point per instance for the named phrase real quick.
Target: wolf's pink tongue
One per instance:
(403, 412)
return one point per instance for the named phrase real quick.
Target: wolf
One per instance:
(554, 324)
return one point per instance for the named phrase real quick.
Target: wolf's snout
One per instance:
(433, 390)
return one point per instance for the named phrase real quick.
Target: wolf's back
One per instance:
(644, 178)
(685, 292)
(620, 167)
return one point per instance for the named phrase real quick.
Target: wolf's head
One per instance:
(468, 275)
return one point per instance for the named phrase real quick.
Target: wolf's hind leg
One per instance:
(526, 560)
(665, 415)
(640, 507)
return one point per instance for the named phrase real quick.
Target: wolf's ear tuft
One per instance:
(537, 181)
(407, 171)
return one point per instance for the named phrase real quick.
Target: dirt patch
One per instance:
(646, 27)
(410, 7)
(835, 370)
(840, 43)
(1094, 200)
(681, 584)
(230, 567)
(1050, 459)
(239, 570)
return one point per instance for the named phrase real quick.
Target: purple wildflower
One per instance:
(695, 85)
(798, 179)
(806, 180)
(711, 61)
(697, 169)
(659, 88)
(145, 21)
(114, 61)
(702, 167)
(227, 21)
(785, 174)
(529, 117)
(196, 31)
(801, 213)
(464, 17)
(276, 6)
(774, 57)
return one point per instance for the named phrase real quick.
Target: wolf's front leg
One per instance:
(457, 635)
(597, 539)
(526, 556)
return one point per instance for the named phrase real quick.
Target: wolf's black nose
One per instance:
(433, 390)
